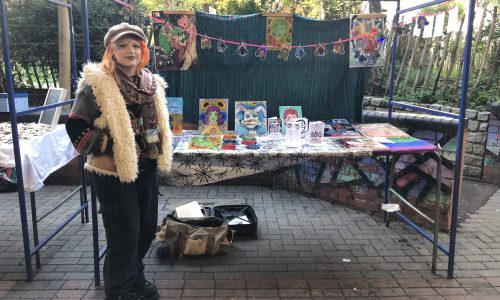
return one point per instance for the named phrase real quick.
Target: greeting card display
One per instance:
(288, 114)
(174, 105)
(274, 125)
(212, 119)
(303, 126)
(316, 132)
(293, 134)
(250, 117)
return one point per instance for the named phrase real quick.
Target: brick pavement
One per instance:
(306, 249)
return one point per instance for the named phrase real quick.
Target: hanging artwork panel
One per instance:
(250, 117)
(366, 47)
(175, 41)
(278, 30)
(212, 119)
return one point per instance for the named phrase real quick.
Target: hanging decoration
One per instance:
(242, 49)
(206, 43)
(284, 52)
(367, 40)
(278, 30)
(320, 50)
(175, 47)
(300, 52)
(178, 34)
(338, 48)
(421, 22)
(221, 45)
(261, 52)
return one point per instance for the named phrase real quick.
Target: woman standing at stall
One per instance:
(120, 120)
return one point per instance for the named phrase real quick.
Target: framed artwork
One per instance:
(288, 114)
(278, 30)
(212, 119)
(175, 41)
(51, 116)
(366, 47)
(250, 117)
(175, 105)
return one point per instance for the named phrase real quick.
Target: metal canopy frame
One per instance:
(83, 209)
(461, 123)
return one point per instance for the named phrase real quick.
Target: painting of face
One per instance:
(250, 116)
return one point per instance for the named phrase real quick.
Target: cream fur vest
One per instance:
(124, 163)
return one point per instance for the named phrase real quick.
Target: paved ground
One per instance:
(306, 249)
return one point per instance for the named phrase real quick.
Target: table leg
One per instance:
(34, 222)
(438, 214)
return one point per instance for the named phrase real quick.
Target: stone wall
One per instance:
(491, 169)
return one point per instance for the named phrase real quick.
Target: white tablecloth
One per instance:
(40, 155)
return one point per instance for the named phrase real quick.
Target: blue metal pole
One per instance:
(15, 140)
(85, 31)
(460, 137)
(391, 97)
(74, 72)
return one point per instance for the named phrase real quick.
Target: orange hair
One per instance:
(108, 64)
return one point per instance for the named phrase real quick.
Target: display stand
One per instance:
(82, 210)
(460, 135)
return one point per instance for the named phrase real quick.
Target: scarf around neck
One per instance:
(140, 89)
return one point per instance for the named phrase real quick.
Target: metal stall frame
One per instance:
(450, 252)
(83, 209)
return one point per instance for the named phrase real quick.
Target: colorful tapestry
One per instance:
(175, 41)
(212, 119)
(279, 31)
(366, 49)
(175, 114)
(250, 117)
(288, 114)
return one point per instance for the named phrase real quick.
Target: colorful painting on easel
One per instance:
(212, 119)
(175, 41)
(278, 32)
(250, 117)
(366, 47)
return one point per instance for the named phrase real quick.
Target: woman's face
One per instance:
(127, 52)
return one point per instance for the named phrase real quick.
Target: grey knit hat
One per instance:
(120, 30)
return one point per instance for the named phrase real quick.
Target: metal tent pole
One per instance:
(460, 137)
(15, 140)
(85, 31)
(389, 117)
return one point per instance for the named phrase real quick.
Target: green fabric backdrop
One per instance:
(325, 87)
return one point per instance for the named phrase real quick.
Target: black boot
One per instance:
(146, 291)
(126, 296)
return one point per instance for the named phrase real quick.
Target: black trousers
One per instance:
(130, 215)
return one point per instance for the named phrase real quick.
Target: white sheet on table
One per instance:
(40, 156)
